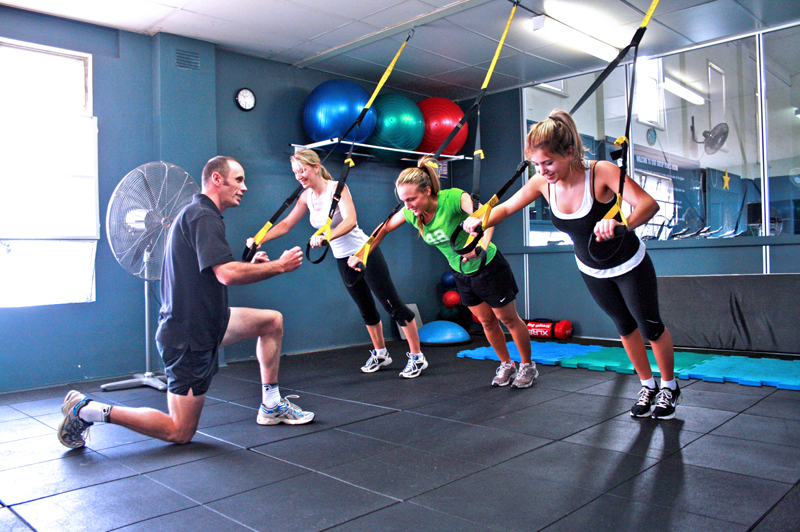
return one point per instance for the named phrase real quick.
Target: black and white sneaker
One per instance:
(666, 401)
(643, 405)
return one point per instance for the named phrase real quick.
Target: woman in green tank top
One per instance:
(489, 291)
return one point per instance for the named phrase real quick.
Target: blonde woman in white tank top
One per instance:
(346, 239)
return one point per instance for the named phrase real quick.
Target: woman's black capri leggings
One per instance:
(631, 300)
(376, 280)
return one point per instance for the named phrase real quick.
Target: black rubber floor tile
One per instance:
(73, 471)
(32, 451)
(230, 389)
(784, 517)
(324, 449)
(482, 445)
(306, 503)
(8, 413)
(542, 422)
(403, 473)
(152, 455)
(615, 514)
(507, 502)
(21, 429)
(731, 402)
(25, 396)
(221, 476)
(657, 439)
(469, 409)
(395, 393)
(40, 407)
(587, 467)
(569, 381)
(249, 434)
(624, 386)
(782, 404)
(691, 418)
(516, 398)
(106, 435)
(746, 457)
(104, 507)
(732, 387)
(401, 427)
(224, 413)
(713, 493)
(197, 519)
(9, 522)
(764, 429)
(403, 517)
(591, 405)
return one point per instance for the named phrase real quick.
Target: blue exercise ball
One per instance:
(398, 124)
(333, 107)
(443, 333)
(448, 279)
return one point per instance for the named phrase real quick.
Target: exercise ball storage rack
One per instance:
(333, 141)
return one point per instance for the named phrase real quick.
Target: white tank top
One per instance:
(319, 207)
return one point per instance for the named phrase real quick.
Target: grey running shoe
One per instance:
(414, 366)
(643, 405)
(526, 374)
(504, 374)
(666, 401)
(376, 362)
(284, 412)
(72, 430)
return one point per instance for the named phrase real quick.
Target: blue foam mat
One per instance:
(541, 352)
(746, 371)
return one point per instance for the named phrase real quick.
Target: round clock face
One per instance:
(245, 99)
(651, 136)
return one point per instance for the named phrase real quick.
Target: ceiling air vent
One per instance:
(187, 60)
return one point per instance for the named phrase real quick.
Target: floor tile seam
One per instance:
(773, 507)
(736, 473)
(711, 432)
(727, 437)
(22, 519)
(673, 508)
(197, 503)
(323, 473)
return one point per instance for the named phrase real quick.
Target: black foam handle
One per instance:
(249, 253)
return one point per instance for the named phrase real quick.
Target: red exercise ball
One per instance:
(475, 319)
(451, 299)
(441, 116)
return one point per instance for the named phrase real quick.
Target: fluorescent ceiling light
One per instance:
(555, 31)
(679, 90)
(797, 113)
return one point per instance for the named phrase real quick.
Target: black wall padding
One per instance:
(741, 312)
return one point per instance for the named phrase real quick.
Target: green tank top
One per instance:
(445, 220)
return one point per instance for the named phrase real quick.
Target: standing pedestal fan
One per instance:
(140, 213)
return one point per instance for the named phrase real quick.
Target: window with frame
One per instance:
(50, 222)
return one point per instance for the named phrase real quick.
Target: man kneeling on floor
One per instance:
(195, 321)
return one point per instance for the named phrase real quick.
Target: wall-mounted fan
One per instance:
(712, 140)
(140, 213)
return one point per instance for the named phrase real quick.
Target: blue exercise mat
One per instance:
(549, 354)
(784, 374)
(748, 371)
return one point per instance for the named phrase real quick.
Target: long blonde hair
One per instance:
(310, 158)
(422, 176)
(557, 135)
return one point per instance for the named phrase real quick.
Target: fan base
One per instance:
(140, 379)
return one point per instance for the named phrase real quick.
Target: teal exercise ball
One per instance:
(398, 124)
(333, 107)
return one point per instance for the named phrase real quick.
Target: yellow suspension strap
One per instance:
(623, 142)
(478, 154)
(364, 251)
(348, 161)
(250, 252)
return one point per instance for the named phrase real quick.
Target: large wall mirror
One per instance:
(697, 137)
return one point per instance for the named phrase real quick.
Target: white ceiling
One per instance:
(453, 41)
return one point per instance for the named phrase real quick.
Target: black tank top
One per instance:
(580, 229)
